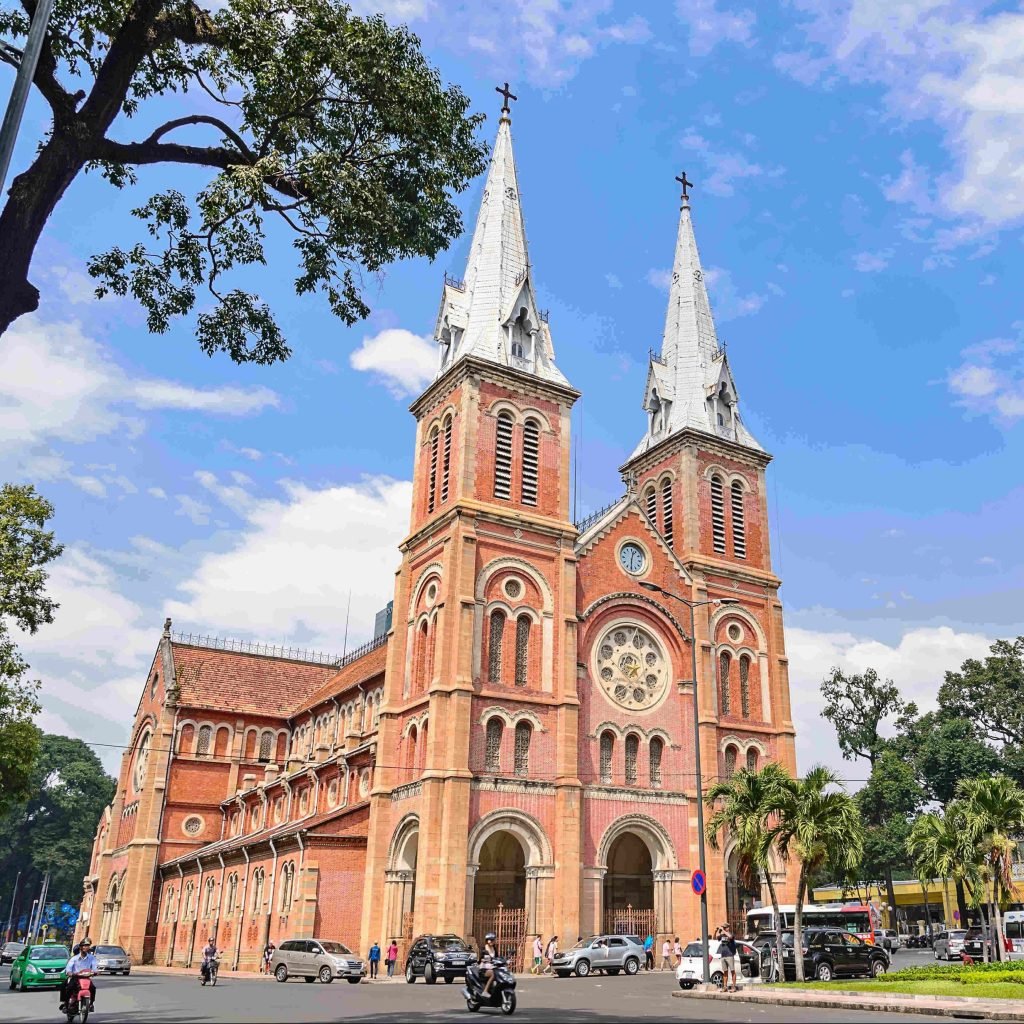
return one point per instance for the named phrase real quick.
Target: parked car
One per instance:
(690, 970)
(438, 956)
(607, 953)
(39, 966)
(9, 950)
(829, 953)
(763, 942)
(975, 941)
(949, 944)
(312, 959)
(112, 960)
(889, 939)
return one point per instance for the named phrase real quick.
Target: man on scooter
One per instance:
(209, 955)
(84, 961)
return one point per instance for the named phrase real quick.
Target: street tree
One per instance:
(940, 844)
(858, 705)
(315, 127)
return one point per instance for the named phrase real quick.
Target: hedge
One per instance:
(1008, 971)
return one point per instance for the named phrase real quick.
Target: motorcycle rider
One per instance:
(487, 955)
(209, 955)
(83, 961)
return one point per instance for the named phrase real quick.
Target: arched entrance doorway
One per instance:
(401, 881)
(742, 890)
(629, 888)
(499, 896)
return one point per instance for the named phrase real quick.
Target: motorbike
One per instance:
(208, 971)
(79, 1002)
(502, 994)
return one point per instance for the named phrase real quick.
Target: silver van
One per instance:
(313, 959)
(607, 953)
(949, 945)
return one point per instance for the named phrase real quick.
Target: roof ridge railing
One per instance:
(216, 643)
(588, 521)
(359, 652)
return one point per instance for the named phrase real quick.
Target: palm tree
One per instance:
(993, 811)
(817, 823)
(746, 803)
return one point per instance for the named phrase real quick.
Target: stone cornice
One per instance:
(697, 438)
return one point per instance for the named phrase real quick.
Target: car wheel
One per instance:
(878, 968)
(281, 973)
(326, 975)
(22, 987)
(686, 985)
(353, 981)
(582, 968)
(613, 971)
(823, 972)
(448, 980)
(11, 983)
(308, 980)
(716, 979)
(632, 965)
(563, 974)
(936, 952)
(409, 976)
(428, 975)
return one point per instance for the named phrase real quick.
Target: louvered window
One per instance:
(497, 634)
(632, 751)
(531, 461)
(257, 891)
(730, 761)
(745, 686)
(725, 663)
(232, 892)
(607, 749)
(522, 649)
(651, 504)
(717, 515)
(432, 483)
(446, 461)
(657, 746)
(739, 530)
(522, 763)
(203, 743)
(503, 458)
(266, 747)
(410, 749)
(751, 760)
(666, 509)
(492, 755)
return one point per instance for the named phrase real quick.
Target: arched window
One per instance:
(410, 750)
(607, 752)
(492, 753)
(287, 879)
(522, 649)
(731, 754)
(724, 684)
(257, 890)
(446, 460)
(666, 509)
(266, 747)
(522, 753)
(232, 892)
(745, 686)
(739, 530)
(651, 505)
(751, 759)
(503, 457)
(424, 731)
(531, 461)
(168, 902)
(208, 900)
(657, 747)
(189, 894)
(432, 479)
(494, 641)
(203, 743)
(717, 514)
(422, 656)
(632, 751)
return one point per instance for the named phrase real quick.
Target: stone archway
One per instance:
(400, 880)
(629, 887)
(742, 889)
(501, 874)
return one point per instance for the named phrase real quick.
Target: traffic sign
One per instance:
(698, 882)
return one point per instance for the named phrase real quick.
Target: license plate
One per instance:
(458, 963)
(689, 974)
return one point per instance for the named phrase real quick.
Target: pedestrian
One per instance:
(392, 957)
(268, 955)
(728, 954)
(549, 954)
(649, 953)
(678, 951)
(374, 959)
(666, 956)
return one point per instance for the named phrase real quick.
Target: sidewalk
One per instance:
(962, 1007)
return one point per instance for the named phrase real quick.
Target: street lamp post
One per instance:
(692, 605)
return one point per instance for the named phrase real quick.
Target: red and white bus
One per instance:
(861, 919)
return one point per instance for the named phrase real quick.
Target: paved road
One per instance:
(164, 999)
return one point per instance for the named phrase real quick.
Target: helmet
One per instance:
(84, 943)
(490, 937)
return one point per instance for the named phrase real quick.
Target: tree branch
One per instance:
(181, 122)
(188, 24)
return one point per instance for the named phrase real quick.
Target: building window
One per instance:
(666, 509)
(432, 480)
(632, 751)
(657, 746)
(522, 755)
(266, 747)
(257, 890)
(730, 760)
(410, 749)
(189, 894)
(446, 461)
(232, 892)
(607, 750)
(168, 902)
(651, 504)
(203, 743)
(497, 634)
(503, 457)
(739, 530)
(522, 649)
(724, 664)
(717, 515)
(208, 899)
(531, 461)
(751, 759)
(287, 877)
(420, 668)
(745, 686)
(492, 754)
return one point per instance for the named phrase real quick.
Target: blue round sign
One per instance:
(698, 882)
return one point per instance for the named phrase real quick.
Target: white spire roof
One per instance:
(690, 384)
(492, 314)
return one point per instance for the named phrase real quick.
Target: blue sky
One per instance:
(859, 196)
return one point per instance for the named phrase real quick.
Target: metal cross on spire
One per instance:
(507, 95)
(682, 179)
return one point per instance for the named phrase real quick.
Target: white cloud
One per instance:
(872, 262)
(990, 381)
(612, 280)
(78, 288)
(660, 279)
(228, 401)
(403, 361)
(710, 26)
(724, 169)
(157, 492)
(193, 510)
(726, 301)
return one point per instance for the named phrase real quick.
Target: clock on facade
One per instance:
(632, 558)
(632, 667)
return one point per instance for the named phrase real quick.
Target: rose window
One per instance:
(632, 667)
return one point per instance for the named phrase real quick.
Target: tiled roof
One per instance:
(365, 668)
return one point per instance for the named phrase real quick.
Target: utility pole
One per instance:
(10, 915)
(42, 904)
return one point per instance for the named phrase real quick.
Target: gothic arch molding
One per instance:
(520, 565)
(526, 829)
(653, 834)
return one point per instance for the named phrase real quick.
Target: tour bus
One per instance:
(1013, 929)
(860, 919)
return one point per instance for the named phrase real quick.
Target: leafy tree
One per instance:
(53, 828)
(818, 821)
(940, 845)
(331, 127)
(26, 548)
(857, 705)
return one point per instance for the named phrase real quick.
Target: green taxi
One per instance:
(39, 966)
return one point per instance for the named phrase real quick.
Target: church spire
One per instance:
(492, 313)
(690, 384)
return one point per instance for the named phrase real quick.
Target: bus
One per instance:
(860, 919)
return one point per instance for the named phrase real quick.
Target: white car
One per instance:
(690, 971)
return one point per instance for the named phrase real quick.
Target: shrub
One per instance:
(967, 973)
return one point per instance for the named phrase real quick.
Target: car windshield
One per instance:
(957, 935)
(109, 951)
(336, 947)
(451, 945)
(692, 949)
(787, 938)
(49, 953)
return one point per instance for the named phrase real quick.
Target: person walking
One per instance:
(392, 957)
(649, 953)
(666, 956)
(677, 951)
(374, 959)
(268, 955)
(727, 950)
(549, 954)
(538, 956)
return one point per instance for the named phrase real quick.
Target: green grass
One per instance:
(933, 987)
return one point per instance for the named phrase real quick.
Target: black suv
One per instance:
(830, 953)
(438, 956)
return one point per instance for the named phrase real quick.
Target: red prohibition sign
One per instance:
(698, 882)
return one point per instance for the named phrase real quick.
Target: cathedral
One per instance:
(517, 748)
